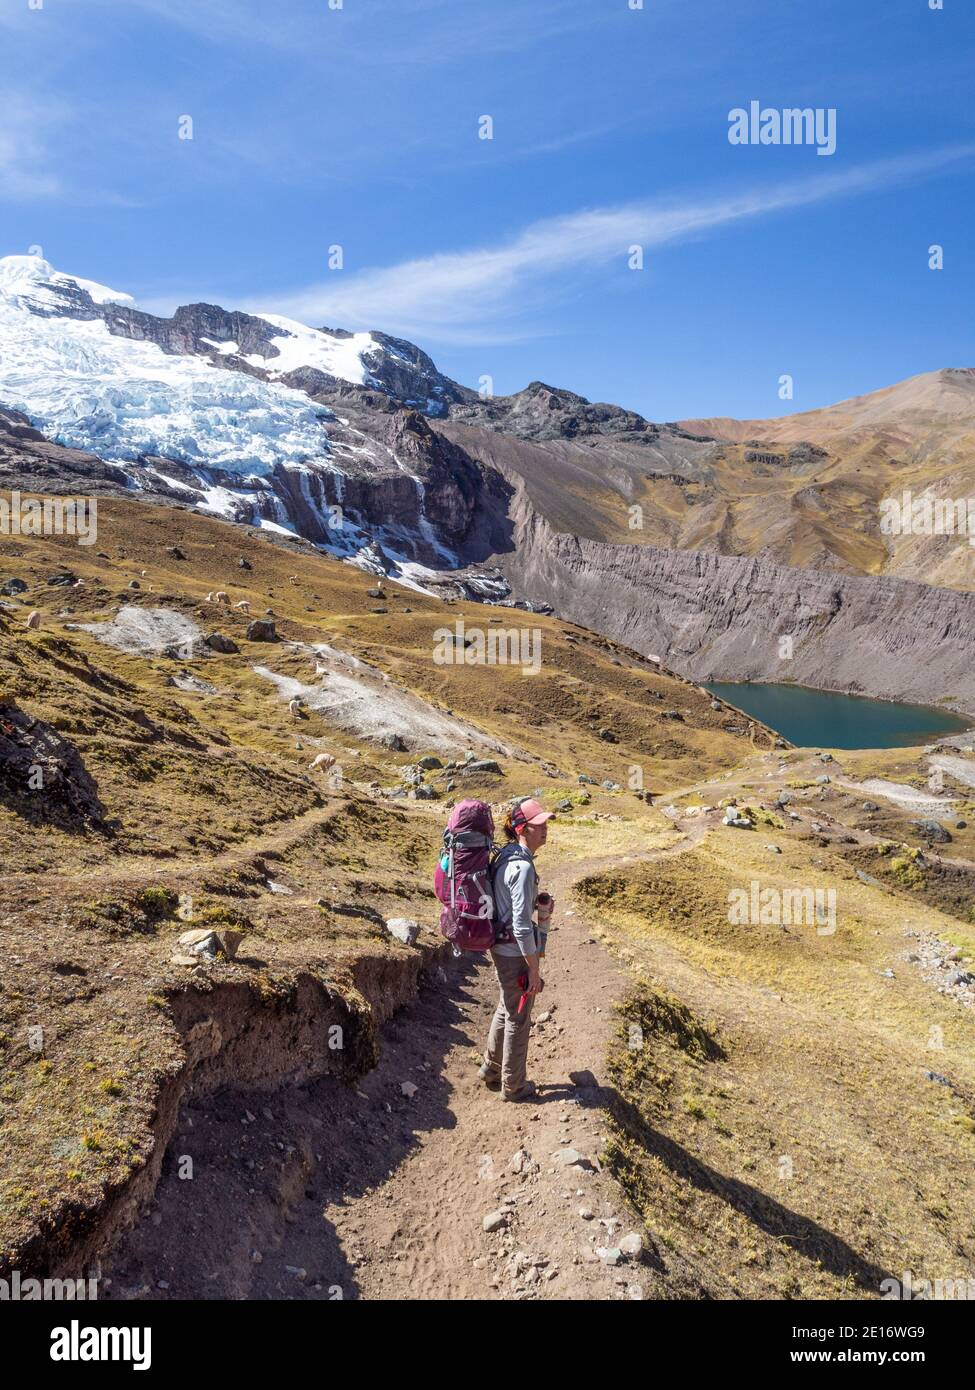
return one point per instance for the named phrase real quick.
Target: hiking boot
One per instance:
(490, 1076)
(524, 1092)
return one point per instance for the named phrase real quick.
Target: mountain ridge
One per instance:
(439, 488)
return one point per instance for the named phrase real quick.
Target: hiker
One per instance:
(517, 960)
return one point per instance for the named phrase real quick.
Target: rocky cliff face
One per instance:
(357, 443)
(724, 617)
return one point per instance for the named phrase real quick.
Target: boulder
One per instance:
(483, 765)
(217, 642)
(933, 830)
(210, 942)
(42, 775)
(261, 630)
(404, 929)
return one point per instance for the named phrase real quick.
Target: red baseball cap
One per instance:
(530, 812)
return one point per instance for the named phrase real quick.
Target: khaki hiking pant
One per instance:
(507, 1045)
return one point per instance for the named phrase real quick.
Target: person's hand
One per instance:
(534, 978)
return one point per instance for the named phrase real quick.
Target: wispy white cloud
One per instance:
(25, 171)
(486, 294)
(385, 32)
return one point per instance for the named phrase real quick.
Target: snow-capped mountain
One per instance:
(255, 417)
(126, 400)
(353, 441)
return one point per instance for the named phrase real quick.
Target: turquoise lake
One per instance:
(824, 719)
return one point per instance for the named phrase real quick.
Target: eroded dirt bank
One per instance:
(382, 1190)
(239, 1034)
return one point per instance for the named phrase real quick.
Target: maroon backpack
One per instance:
(462, 880)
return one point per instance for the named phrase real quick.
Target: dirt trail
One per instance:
(420, 1234)
(378, 1194)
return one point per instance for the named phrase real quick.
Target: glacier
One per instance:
(123, 399)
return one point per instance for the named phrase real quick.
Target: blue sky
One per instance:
(358, 126)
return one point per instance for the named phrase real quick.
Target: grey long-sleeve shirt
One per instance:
(515, 891)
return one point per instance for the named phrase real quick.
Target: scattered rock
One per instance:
(934, 831)
(42, 775)
(210, 943)
(404, 929)
(570, 1158)
(494, 1221)
(261, 630)
(483, 765)
(868, 878)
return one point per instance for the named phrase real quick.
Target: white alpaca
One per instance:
(295, 707)
(323, 760)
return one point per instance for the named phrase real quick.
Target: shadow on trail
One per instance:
(266, 1164)
(803, 1235)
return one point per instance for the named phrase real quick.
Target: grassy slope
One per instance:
(210, 798)
(774, 1122)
